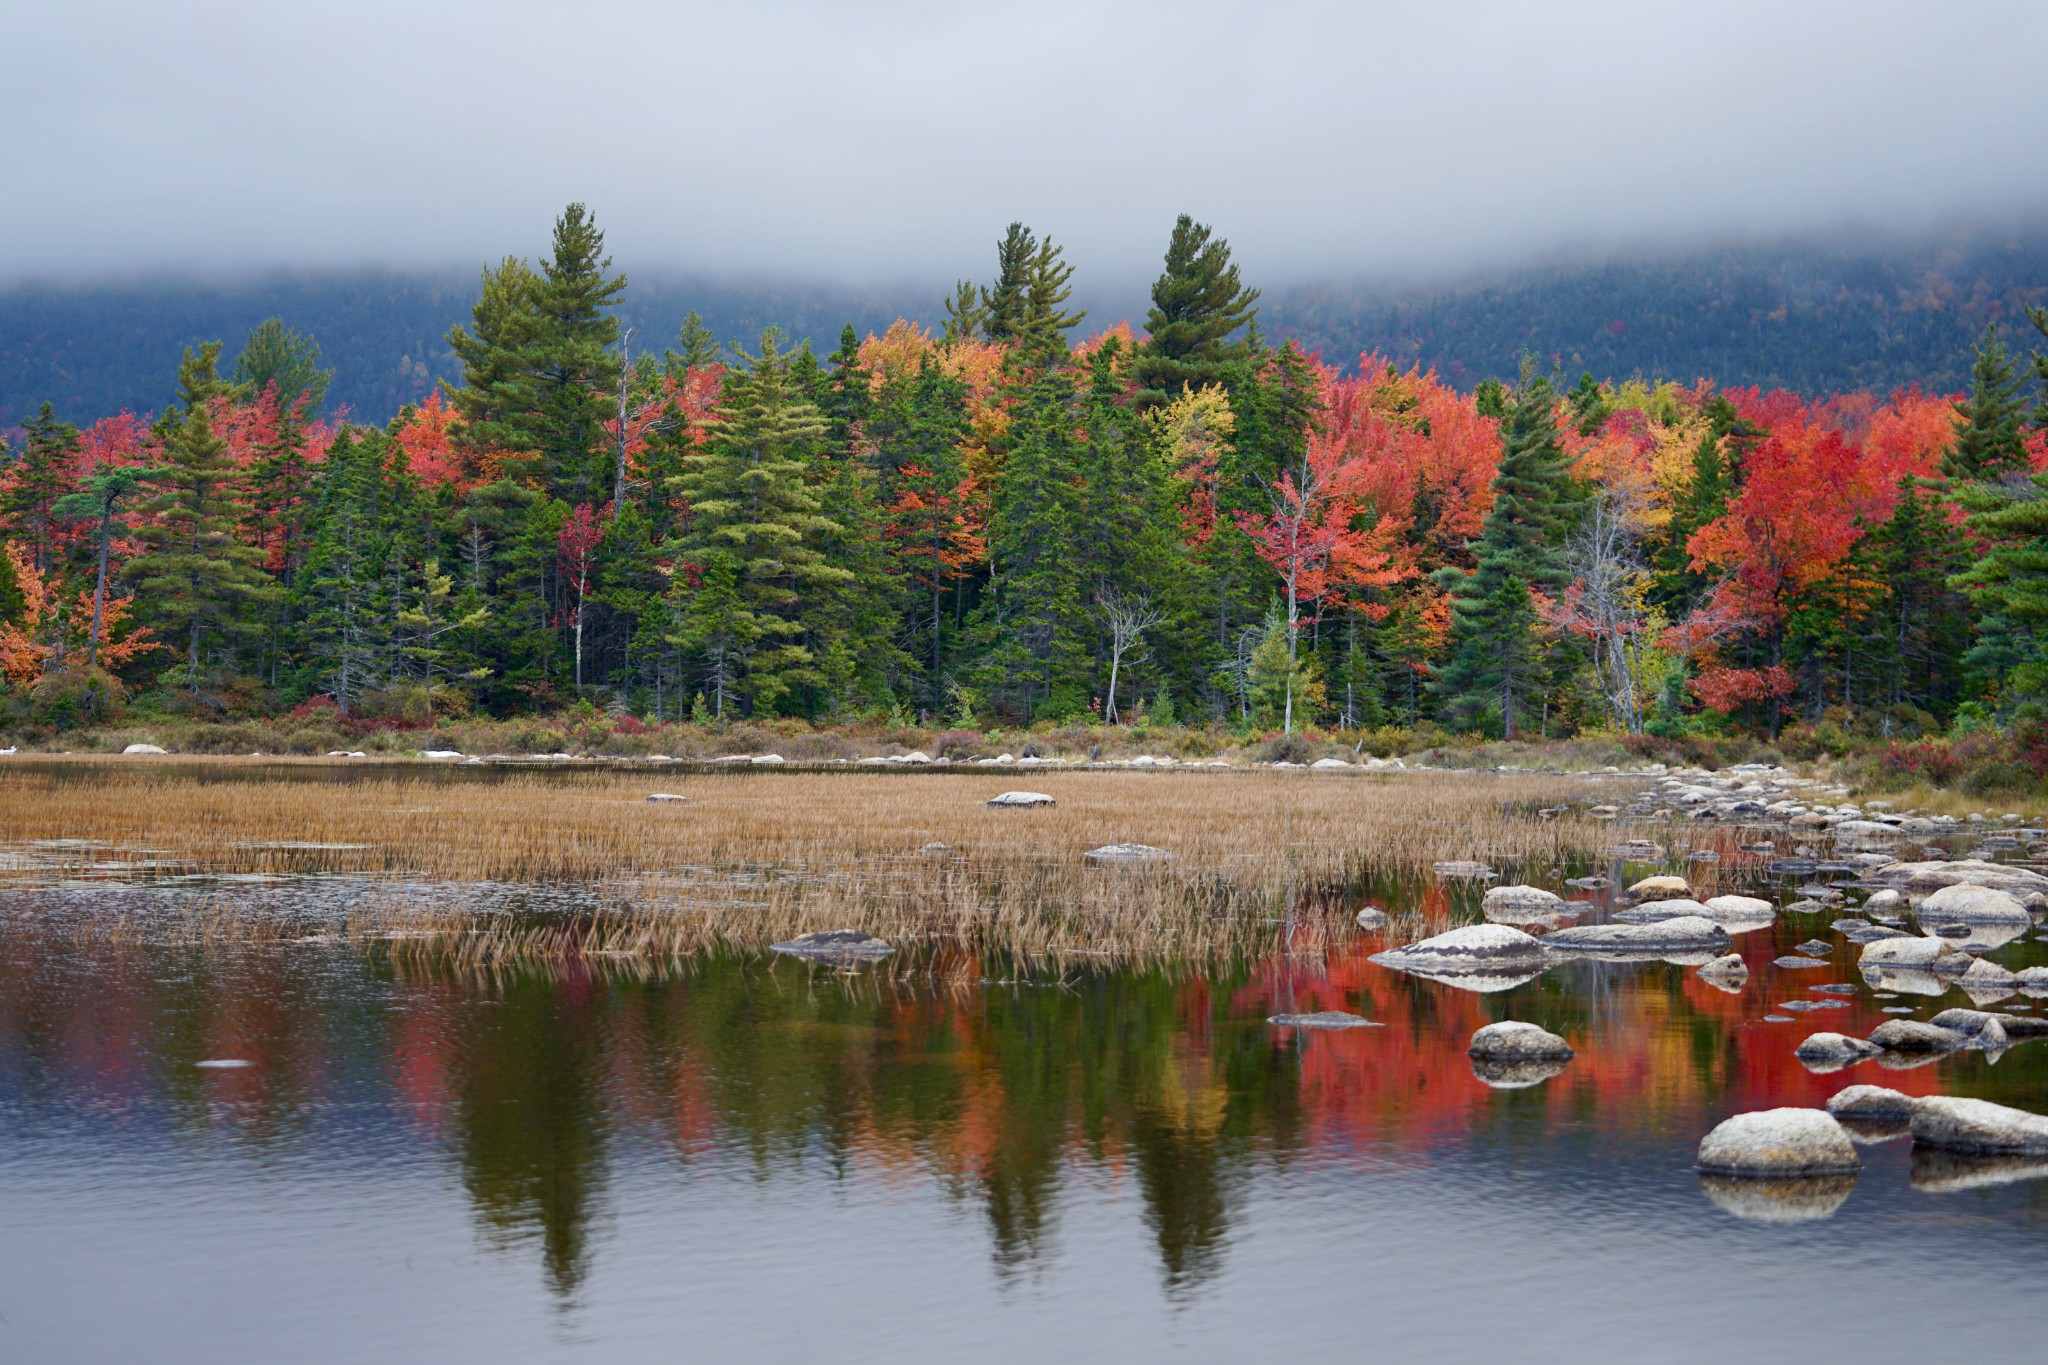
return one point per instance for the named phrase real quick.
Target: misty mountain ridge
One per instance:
(1811, 316)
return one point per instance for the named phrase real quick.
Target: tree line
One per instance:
(1010, 519)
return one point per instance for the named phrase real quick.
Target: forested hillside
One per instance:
(1811, 318)
(1017, 518)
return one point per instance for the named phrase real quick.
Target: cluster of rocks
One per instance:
(1900, 1043)
(1786, 1165)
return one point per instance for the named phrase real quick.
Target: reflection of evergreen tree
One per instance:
(531, 1123)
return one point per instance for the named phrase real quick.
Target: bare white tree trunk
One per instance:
(1128, 619)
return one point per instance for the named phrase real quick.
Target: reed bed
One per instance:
(753, 857)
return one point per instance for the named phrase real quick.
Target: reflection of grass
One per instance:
(755, 856)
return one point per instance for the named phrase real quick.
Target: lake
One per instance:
(749, 1157)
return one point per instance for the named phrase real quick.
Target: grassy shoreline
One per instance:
(749, 857)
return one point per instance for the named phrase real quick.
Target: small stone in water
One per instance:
(1836, 988)
(223, 1063)
(1885, 995)
(1813, 1004)
(1813, 947)
(1897, 1009)
(1796, 962)
(1777, 1018)
(1322, 1019)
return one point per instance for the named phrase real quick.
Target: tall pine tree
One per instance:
(199, 576)
(757, 522)
(1988, 443)
(1198, 306)
(1495, 668)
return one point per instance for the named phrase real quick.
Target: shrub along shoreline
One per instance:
(1999, 766)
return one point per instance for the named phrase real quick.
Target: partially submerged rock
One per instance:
(1923, 878)
(1476, 947)
(1017, 800)
(1910, 1035)
(1922, 952)
(1832, 1051)
(1902, 980)
(1514, 1040)
(1874, 1103)
(1650, 912)
(1127, 853)
(1731, 910)
(1970, 1023)
(1968, 903)
(838, 947)
(1779, 1143)
(1463, 869)
(144, 749)
(1685, 933)
(1961, 1125)
(1727, 972)
(1520, 898)
(1372, 918)
(1661, 888)
(1322, 1019)
(1986, 981)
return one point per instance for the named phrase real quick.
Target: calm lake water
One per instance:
(755, 1159)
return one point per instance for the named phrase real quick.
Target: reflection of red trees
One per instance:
(1666, 1053)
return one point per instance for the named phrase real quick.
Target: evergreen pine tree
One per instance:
(199, 577)
(572, 371)
(1198, 304)
(1004, 303)
(1988, 443)
(2039, 317)
(1589, 404)
(1925, 622)
(46, 473)
(2009, 581)
(1494, 667)
(540, 367)
(1034, 619)
(754, 508)
(695, 347)
(1042, 334)
(275, 355)
(492, 350)
(344, 596)
(965, 314)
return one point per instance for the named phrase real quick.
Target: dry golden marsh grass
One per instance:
(752, 856)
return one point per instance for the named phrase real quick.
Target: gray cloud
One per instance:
(893, 140)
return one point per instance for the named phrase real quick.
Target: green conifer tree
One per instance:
(1589, 404)
(200, 578)
(754, 507)
(1988, 443)
(46, 473)
(273, 354)
(1494, 665)
(2009, 582)
(1198, 305)
(344, 594)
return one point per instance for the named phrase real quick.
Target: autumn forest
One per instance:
(1023, 518)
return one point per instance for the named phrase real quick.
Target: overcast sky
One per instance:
(893, 139)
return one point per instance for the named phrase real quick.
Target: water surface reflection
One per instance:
(760, 1157)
